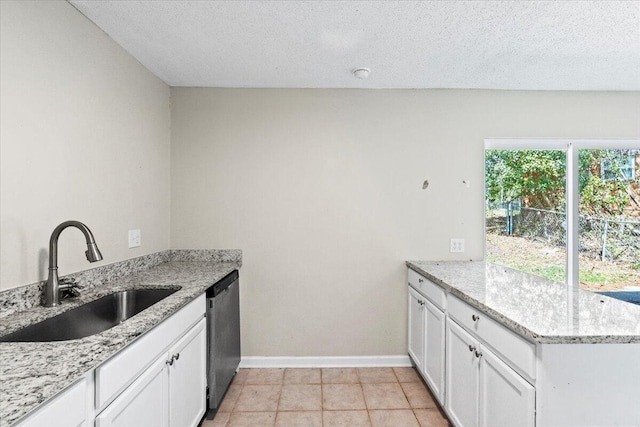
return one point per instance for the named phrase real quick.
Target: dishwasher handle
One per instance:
(222, 284)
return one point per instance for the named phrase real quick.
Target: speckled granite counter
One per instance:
(534, 307)
(31, 373)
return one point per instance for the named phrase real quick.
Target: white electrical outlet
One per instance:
(134, 238)
(457, 245)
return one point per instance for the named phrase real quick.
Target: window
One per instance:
(555, 209)
(618, 165)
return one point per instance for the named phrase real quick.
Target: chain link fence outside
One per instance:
(605, 239)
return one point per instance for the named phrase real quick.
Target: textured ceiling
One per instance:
(539, 45)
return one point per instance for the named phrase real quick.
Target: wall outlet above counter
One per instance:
(135, 238)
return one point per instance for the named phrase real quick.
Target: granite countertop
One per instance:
(31, 373)
(536, 308)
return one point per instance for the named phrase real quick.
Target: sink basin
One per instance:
(91, 318)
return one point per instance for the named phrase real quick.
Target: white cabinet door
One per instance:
(463, 376)
(67, 409)
(416, 328)
(143, 403)
(434, 349)
(187, 378)
(506, 399)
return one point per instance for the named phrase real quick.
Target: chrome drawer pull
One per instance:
(174, 357)
(472, 348)
(475, 318)
(478, 354)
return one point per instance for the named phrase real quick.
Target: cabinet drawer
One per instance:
(426, 287)
(69, 408)
(520, 353)
(119, 371)
(144, 403)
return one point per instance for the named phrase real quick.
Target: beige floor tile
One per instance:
(299, 419)
(406, 375)
(300, 397)
(377, 375)
(431, 418)
(419, 397)
(252, 419)
(393, 418)
(340, 376)
(384, 396)
(345, 419)
(230, 398)
(220, 420)
(302, 376)
(240, 377)
(342, 396)
(258, 398)
(265, 376)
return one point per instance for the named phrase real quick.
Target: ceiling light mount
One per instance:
(361, 73)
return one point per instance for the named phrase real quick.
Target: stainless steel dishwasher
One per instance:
(223, 337)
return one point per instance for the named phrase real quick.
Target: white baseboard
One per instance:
(324, 362)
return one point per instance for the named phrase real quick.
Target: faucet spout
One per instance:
(51, 295)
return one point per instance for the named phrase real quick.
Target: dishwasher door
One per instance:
(223, 328)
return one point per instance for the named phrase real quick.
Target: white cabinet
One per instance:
(463, 376)
(68, 409)
(506, 399)
(434, 349)
(518, 352)
(174, 386)
(511, 381)
(117, 373)
(145, 402)
(416, 328)
(481, 389)
(171, 392)
(477, 388)
(187, 378)
(426, 341)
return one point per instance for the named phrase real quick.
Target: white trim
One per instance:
(558, 143)
(526, 144)
(325, 362)
(572, 202)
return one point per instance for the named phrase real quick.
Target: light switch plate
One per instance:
(134, 238)
(457, 245)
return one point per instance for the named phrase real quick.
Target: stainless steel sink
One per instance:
(90, 318)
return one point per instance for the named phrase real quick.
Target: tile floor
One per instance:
(349, 397)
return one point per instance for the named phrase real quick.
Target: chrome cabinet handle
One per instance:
(421, 302)
(420, 280)
(471, 347)
(475, 318)
(478, 354)
(174, 357)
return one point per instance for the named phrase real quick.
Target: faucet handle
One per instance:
(68, 288)
(67, 282)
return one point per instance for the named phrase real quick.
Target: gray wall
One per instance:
(85, 135)
(322, 191)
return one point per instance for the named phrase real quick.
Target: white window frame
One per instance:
(631, 168)
(571, 148)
